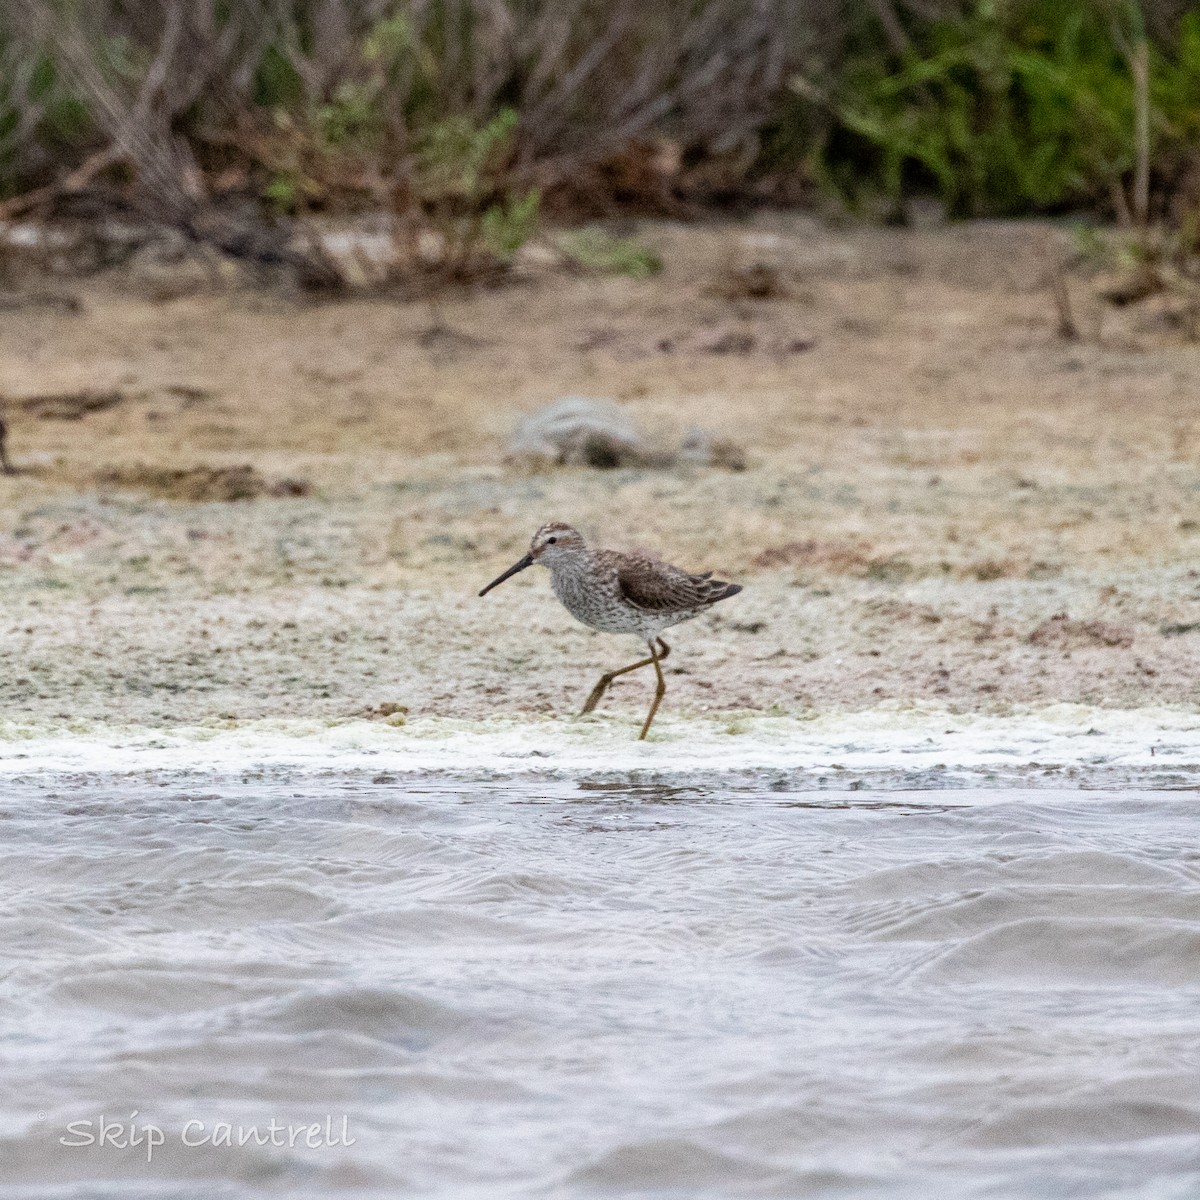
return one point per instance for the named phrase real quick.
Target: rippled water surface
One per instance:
(586, 989)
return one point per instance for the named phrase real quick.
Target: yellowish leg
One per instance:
(601, 687)
(659, 692)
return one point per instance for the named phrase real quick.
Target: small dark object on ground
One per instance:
(1066, 326)
(291, 487)
(6, 467)
(596, 339)
(201, 485)
(1067, 634)
(838, 558)
(188, 393)
(601, 451)
(726, 341)
(754, 281)
(70, 406)
(703, 449)
(439, 334)
(1180, 628)
(62, 302)
(1131, 286)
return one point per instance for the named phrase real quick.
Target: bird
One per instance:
(620, 592)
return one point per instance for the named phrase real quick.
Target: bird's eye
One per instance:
(551, 541)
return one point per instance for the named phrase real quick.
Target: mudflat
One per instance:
(235, 506)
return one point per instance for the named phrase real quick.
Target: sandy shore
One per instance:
(945, 503)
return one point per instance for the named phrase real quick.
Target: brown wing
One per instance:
(657, 586)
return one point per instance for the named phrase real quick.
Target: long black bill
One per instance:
(527, 561)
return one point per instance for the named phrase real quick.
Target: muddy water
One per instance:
(569, 989)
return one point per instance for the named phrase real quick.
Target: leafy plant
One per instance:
(458, 177)
(463, 117)
(39, 118)
(509, 224)
(1003, 109)
(595, 250)
(457, 159)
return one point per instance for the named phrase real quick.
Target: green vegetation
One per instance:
(1010, 108)
(41, 121)
(459, 180)
(595, 250)
(468, 119)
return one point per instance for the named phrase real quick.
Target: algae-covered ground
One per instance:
(235, 505)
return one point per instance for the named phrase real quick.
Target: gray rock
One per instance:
(579, 431)
(584, 432)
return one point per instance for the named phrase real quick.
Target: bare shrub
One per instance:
(588, 78)
(460, 117)
(138, 68)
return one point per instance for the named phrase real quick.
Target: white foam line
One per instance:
(900, 740)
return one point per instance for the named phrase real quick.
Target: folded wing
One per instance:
(657, 586)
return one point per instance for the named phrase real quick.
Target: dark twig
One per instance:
(6, 467)
(897, 38)
(1066, 328)
(76, 181)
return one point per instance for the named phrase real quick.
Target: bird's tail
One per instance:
(718, 589)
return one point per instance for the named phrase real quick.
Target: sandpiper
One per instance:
(617, 592)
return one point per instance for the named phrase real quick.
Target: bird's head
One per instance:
(555, 543)
(552, 544)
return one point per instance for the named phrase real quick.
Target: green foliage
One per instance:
(277, 84)
(452, 168)
(35, 111)
(285, 192)
(997, 106)
(508, 225)
(1091, 246)
(1008, 108)
(1175, 87)
(390, 40)
(458, 160)
(356, 116)
(351, 118)
(595, 250)
(459, 176)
